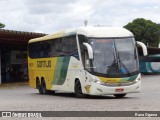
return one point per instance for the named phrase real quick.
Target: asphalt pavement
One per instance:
(25, 98)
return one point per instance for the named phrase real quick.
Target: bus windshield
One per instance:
(116, 56)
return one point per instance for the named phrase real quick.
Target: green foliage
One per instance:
(145, 31)
(2, 25)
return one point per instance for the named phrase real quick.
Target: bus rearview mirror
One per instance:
(144, 48)
(89, 49)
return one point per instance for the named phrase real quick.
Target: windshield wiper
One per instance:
(113, 68)
(120, 61)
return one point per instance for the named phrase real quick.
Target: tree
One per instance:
(2, 25)
(145, 31)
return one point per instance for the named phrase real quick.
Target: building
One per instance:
(13, 54)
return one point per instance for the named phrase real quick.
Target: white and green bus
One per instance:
(85, 61)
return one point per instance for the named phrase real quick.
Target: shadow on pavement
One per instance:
(72, 95)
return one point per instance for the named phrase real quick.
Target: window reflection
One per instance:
(114, 56)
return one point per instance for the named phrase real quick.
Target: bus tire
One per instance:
(38, 86)
(43, 86)
(120, 95)
(78, 89)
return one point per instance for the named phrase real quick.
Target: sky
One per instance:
(49, 16)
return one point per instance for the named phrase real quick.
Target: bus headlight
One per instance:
(138, 79)
(98, 82)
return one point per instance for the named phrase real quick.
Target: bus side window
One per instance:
(47, 48)
(44, 49)
(63, 46)
(68, 47)
(54, 52)
(35, 50)
(73, 49)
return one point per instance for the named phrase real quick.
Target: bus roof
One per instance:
(89, 32)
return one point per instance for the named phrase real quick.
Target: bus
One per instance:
(149, 64)
(85, 61)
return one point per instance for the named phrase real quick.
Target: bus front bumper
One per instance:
(98, 89)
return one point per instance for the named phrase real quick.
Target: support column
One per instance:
(0, 67)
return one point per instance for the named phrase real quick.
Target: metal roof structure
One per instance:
(16, 39)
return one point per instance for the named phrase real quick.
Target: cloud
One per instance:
(52, 15)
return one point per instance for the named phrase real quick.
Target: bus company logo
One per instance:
(6, 114)
(41, 64)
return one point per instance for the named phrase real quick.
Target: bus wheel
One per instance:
(38, 86)
(120, 95)
(43, 87)
(78, 89)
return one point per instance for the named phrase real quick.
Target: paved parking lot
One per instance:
(24, 98)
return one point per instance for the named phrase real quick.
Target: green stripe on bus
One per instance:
(61, 70)
(133, 78)
(129, 79)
